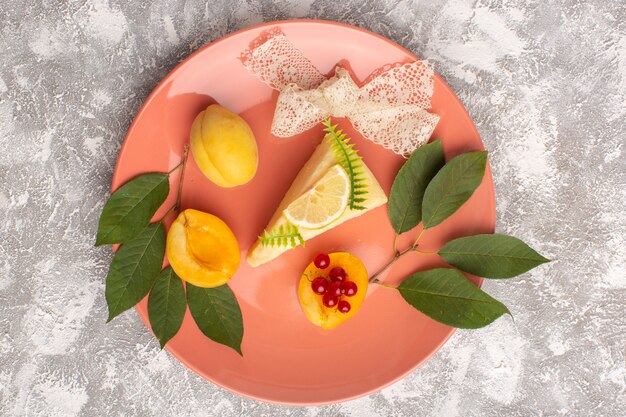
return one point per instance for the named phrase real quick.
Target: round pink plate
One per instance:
(286, 359)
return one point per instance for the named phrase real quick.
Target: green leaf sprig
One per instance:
(350, 161)
(429, 191)
(286, 235)
(136, 267)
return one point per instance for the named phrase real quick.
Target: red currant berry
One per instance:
(322, 261)
(335, 288)
(320, 285)
(348, 288)
(330, 300)
(337, 274)
(343, 306)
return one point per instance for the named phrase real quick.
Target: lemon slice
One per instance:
(323, 203)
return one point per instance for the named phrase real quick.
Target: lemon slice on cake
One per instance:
(323, 203)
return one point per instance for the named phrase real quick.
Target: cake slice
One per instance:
(365, 194)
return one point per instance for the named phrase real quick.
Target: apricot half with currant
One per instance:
(202, 249)
(332, 292)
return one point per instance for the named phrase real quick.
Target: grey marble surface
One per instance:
(545, 83)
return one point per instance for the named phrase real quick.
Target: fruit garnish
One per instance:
(337, 274)
(202, 249)
(224, 147)
(320, 285)
(335, 288)
(331, 308)
(349, 288)
(323, 203)
(330, 300)
(322, 261)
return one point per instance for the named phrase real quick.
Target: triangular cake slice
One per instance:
(323, 158)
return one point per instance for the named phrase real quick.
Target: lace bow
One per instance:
(389, 110)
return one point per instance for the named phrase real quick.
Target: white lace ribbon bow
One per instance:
(389, 110)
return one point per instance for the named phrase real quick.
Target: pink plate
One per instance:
(286, 359)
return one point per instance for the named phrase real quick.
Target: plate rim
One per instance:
(172, 74)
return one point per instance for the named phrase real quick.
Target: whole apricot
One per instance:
(322, 306)
(202, 249)
(224, 147)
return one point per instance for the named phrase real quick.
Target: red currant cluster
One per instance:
(333, 286)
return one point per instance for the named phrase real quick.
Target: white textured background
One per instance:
(545, 83)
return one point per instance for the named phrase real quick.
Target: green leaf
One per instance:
(452, 187)
(349, 159)
(407, 191)
(217, 314)
(284, 235)
(166, 305)
(135, 266)
(491, 256)
(447, 296)
(131, 207)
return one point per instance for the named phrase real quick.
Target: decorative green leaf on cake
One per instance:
(350, 161)
(284, 235)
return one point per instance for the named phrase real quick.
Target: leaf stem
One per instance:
(419, 237)
(398, 255)
(426, 252)
(175, 168)
(182, 177)
(384, 285)
(183, 163)
(167, 213)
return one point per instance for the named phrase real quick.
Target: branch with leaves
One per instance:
(428, 190)
(136, 267)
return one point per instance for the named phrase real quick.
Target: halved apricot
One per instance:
(202, 249)
(312, 303)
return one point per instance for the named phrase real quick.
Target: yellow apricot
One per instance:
(202, 249)
(311, 303)
(224, 147)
